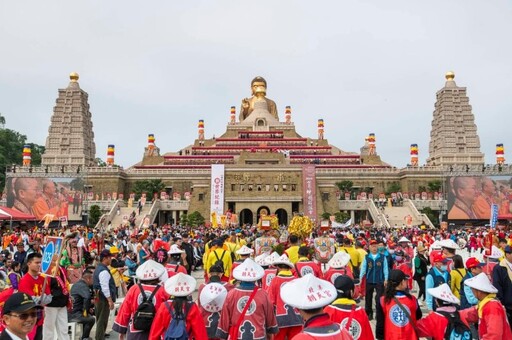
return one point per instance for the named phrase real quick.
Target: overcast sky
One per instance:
(160, 66)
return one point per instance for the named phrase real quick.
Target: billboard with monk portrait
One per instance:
(47, 198)
(471, 197)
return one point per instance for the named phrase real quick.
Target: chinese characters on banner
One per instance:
(309, 190)
(217, 191)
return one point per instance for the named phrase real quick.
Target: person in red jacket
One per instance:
(33, 284)
(289, 320)
(345, 312)
(401, 263)
(150, 274)
(244, 252)
(489, 313)
(310, 295)
(259, 320)
(338, 267)
(400, 310)
(270, 272)
(211, 300)
(179, 287)
(305, 265)
(434, 325)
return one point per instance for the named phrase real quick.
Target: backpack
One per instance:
(177, 329)
(145, 312)
(219, 261)
(456, 329)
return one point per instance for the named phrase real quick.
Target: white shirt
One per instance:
(104, 279)
(14, 337)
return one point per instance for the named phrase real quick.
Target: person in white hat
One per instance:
(243, 253)
(449, 247)
(150, 275)
(437, 325)
(210, 300)
(265, 261)
(338, 265)
(310, 295)
(174, 264)
(489, 313)
(247, 312)
(289, 320)
(491, 260)
(345, 309)
(179, 287)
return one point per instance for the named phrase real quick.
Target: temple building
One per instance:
(453, 138)
(70, 141)
(261, 165)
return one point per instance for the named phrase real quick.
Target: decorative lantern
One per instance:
(500, 154)
(200, 129)
(27, 155)
(414, 154)
(111, 150)
(288, 115)
(371, 144)
(320, 129)
(233, 115)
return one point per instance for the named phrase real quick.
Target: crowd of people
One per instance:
(376, 284)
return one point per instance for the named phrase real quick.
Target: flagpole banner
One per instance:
(494, 215)
(309, 190)
(217, 191)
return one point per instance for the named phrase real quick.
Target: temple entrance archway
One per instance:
(282, 216)
(263, 209)
(246, 217)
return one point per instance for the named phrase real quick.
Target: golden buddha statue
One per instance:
(259, 91)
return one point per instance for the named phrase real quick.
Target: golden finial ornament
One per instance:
(449, 75)
(74, 77)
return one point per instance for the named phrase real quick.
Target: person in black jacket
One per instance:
(502, 280)
(56, 313)
(19, 316)
(189, 252)
(81, 294)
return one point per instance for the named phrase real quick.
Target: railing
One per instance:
(432, 204)
(353, 205)
(417, 215)
(155, 207)
(107, 217)
(174, 205)
(377, 216)
(166, 171)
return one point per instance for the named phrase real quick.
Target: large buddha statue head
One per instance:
(259, 87)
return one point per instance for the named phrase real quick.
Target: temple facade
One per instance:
(260, 164)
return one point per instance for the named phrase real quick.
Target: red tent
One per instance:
(14, 215)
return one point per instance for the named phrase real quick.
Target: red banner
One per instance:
(309, 190)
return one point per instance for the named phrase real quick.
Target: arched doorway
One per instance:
(282, 216)
(246, 217)
(262, 209)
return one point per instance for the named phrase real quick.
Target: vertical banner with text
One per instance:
(217, 194)
(309, 190)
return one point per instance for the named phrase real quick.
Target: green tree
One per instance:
(345, 186)
(341, 216)
(94, 215)
(150, 187)
(432, 215)
(393, 187)
(11, 148)
(422, 188)
(434, 186)
(77, 184)
(195, 219)
(183, 220)
(325, 216)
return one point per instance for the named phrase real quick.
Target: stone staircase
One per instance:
(397, 216)
(126, 211)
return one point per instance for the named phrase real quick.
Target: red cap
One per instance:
(473, 262)
(373, 242)
(439, 258)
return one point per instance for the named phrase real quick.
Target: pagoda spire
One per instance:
(70, 140)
